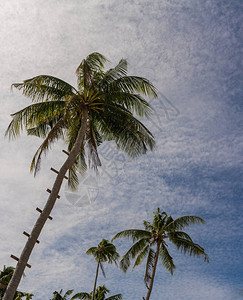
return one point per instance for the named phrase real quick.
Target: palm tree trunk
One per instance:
(14, 282)
(151, 282)
(95, 282)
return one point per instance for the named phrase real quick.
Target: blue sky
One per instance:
(191, 51)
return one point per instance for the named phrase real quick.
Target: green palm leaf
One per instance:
(149, 265)
(52, 136)
(44, 87)
(35, 114)
(188, 247)
(182, 222)
(132, 253)
(166, 259)
(134, 84)
(133, 234)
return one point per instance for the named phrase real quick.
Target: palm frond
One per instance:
(45, 87)
(86, 71)
(117, 72)
(78, 167)
(182, 222)
(93, 157)
(149, 266)
(115, 297)
(148, 226)
(96, 61)
(132, 102)
(52, 136)
(134, 84)
(133, 234)
(102, 269)
(129, 134)
(188, 247)
(69, 292)
(166, 259)
(82, 296)
(141, 255)
(179, 234)
(33, 115)
(132, 253)
(91, 250)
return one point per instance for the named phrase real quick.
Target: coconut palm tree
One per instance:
(105, 251)
(102, 108)
(155, 235)
(100, 294)
(5, 276)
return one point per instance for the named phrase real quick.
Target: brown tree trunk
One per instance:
(14, 282)
(151, 282)
(95, 282)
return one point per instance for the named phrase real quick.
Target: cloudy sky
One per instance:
(191, 51)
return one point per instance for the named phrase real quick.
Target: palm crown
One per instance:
(111, 98)
(105, 251)
(100, 294)
(162, 228)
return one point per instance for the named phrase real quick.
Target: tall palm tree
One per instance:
(100, 294)
(162, 228)
(105, 251)
(101, 108)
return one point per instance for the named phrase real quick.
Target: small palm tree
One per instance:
(101, 108)
(100, 294)
(155, 235)
(5, 277)
(105, 251)
(59, 296)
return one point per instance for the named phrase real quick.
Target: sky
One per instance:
(192, 53)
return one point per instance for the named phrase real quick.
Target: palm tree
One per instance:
(100, 294)
(155, 234)
(5, 277)
(102, 108)
(105, 251)
(59, 296)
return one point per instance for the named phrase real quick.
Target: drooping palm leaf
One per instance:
(44, 87)
(166, 259)
(182, 222)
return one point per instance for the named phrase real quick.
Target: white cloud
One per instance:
(190, 51)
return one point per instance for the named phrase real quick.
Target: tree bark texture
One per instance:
(151, 282)
(30, 243)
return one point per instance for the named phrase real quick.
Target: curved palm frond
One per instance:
(89, 69)
(182, 222)
(33, 115)
(114, 297)
(133, 234)
(134, 84)
(45, 87)
(166, 259)
(189, 247)
(82, 296)
(115, 73)
(68, 293)
(134, 103)
(129, 134)
(132, 253)
(141, 255)
(52, 136)
(149, 265)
